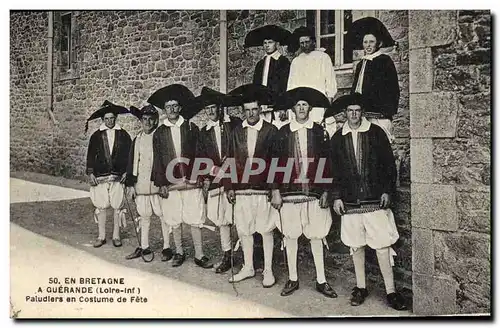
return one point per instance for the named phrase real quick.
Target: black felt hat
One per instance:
(253, 92)
(342, 102)
(177, 92)
(106, 107)
(368, 25)
(256, 37)
(313, 97)
(146, 110)
(293, 44)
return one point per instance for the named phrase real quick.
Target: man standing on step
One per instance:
(107, 158)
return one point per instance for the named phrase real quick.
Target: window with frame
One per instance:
(331, 28)
(65, 46)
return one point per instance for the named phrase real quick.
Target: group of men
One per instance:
(262, 174)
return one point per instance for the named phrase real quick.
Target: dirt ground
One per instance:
(70, 222)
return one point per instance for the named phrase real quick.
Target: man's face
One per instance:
(252, 112)
(306, 44)
(301, 110)
(109, 120)
(172, 109)
(370, 44)
(148, 123)
(212, 112)
(269, 46)
(353, 114)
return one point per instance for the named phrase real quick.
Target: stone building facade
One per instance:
(443, 206)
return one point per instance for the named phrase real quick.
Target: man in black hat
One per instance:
(364, 184)
(301, 199)
(251, 149)
(107, 158)
(375, 76)
(213, 144)
(311, 68)
(174, 152)
(272, 70)
(141, 188)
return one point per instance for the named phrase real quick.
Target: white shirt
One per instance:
(313, 70)
(252, 132)
(110, 133)
(218, 135)
(365, 126)
(267, 62)
(301, 129)
(359, 85)
(175, 130)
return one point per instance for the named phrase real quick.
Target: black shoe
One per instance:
(225, 265)
(326, 290)
(396, 301)
(178, 259)
(204, 262)
(117, 242)
(358, 296)
(290, 287)
(135, 254)
(166, 254)
(99, 242)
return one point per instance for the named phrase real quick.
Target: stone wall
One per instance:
(30, 127)
(450, 56)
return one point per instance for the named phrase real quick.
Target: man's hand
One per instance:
(338, 207)
(164, 192)
(124, 177)
(323, 201)
(131, 192)
(276, 200)
(385, 201)
(231, 197)
(92, 180)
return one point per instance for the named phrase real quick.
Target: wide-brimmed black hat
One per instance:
(313, 97)
(293, 44)
(146, 110)
(342, 102)
(106, 107)
(368, 25)
(253, 92)
(177, 92)
(256, 37)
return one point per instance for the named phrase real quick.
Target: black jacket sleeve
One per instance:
(386, 165)
(158, 173)
(284, 72)
(91, 153)
(131, 178)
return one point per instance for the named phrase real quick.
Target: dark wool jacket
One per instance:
(376, 174)
(317, 147)
(207, 146)
(380, 85)
(99, 160)
(164, 152)
(263, 149)
(277, 77)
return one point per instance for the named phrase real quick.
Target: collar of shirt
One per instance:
(365, 126)
(178, 124)
(372, 56)
(275, 55)
(257, 126)
(295, 126)
(213, 124)
(104, 127)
